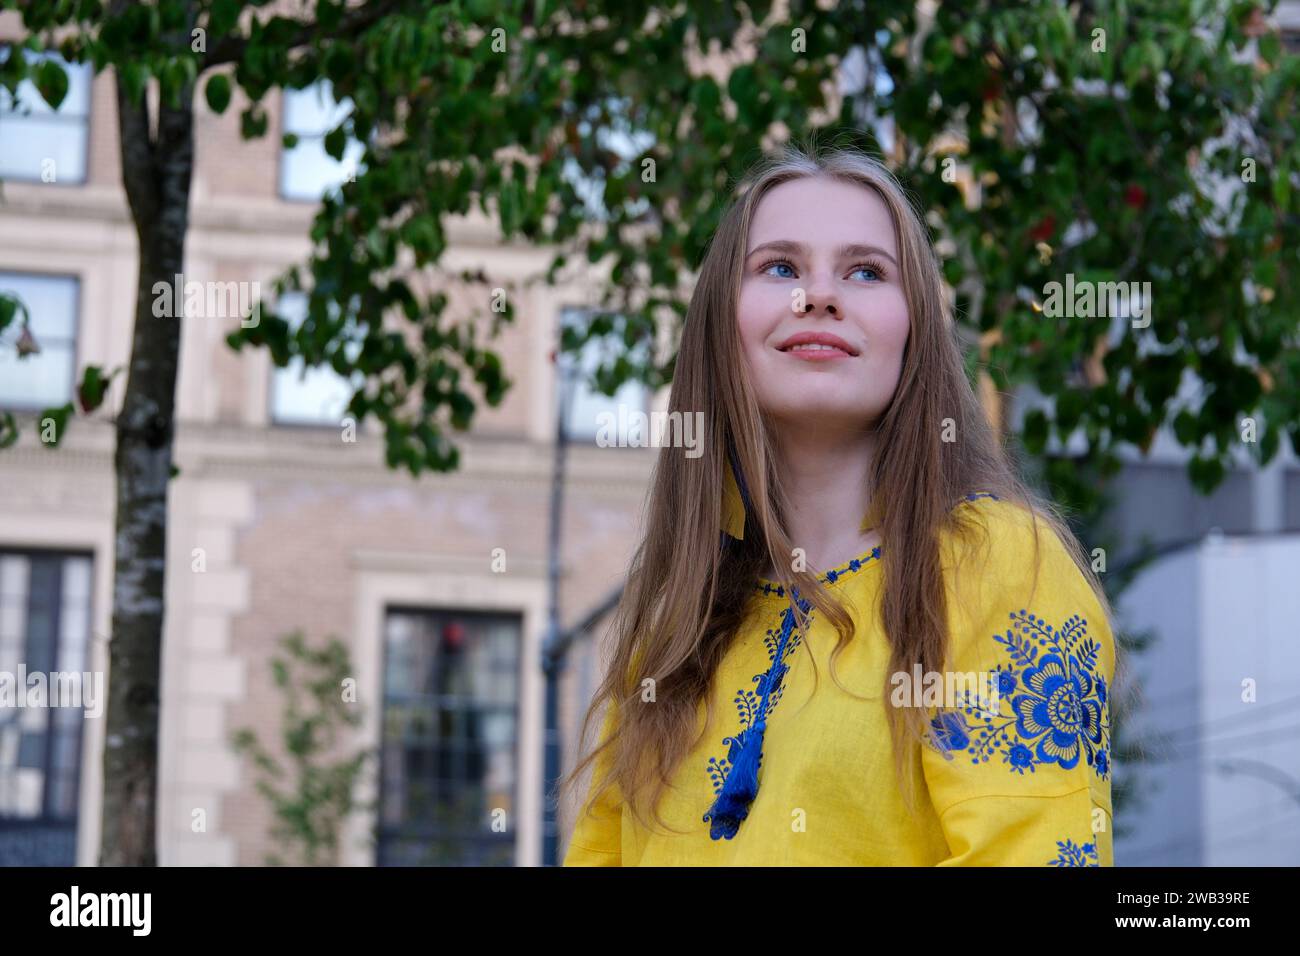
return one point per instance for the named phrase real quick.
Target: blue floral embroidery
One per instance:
(951, 732)
(735, 778)
(1060, 713)
(1071, 854)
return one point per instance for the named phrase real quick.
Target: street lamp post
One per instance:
(553, 651)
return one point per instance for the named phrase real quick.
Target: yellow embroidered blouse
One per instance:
(1025, 780)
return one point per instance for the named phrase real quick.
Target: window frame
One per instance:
(579, 381)
(275, 371)
(86, 123)
(75, 279)
(280, 177)
(383, 832)
(48, 820)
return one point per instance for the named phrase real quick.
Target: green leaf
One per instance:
(52, 82)
(339, 63)
(1269, 444)
(1069, 409)
(252, 122)
(223, 17)
(8, 309)
(177, 76)
(328, 15)
(336, 141)
(1270, 46)
(217, 92)
(1153, 56)
(133, 76)
(94, 384)
(1035, 431)
(1282, 188)
(8, 429)
(52, 423)
(1206, 473)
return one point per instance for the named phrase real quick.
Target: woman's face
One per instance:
(827, 247)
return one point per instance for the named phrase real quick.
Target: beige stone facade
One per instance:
(274, 528)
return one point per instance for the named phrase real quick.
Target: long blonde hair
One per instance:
(686, 594)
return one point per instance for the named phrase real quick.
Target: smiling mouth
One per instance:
(814, 350)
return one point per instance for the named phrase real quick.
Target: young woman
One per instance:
(965, 719)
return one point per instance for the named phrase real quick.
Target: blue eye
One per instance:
(782, 264)
(874, 274)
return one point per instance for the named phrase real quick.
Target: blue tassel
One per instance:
(731, 806)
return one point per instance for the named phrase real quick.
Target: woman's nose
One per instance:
(830, 308)
(821, 294)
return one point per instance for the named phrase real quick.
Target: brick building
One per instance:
(279, 524)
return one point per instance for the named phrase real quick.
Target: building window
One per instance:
(307, 172)
(307, 396)
(591, 411)
(45, 378)
(45, 629)
(38, 143)
(449, 765)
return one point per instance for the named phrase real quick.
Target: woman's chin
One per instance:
(811, 410)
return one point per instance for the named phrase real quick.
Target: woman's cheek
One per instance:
(890, 325)
(887, 333)
(755, 312)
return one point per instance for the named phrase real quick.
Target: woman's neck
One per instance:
(826, 476)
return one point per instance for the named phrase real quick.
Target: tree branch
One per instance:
(137, 155)
(231, 49)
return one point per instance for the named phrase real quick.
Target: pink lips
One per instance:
(817, 355)
(832, 347)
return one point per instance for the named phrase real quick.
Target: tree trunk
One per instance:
(156, 170)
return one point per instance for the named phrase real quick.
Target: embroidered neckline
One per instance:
(771, 588)
(735, 777)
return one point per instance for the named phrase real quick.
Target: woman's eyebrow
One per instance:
(850, 250)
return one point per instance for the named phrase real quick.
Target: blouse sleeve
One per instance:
(597, 835)
(1019, 770)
